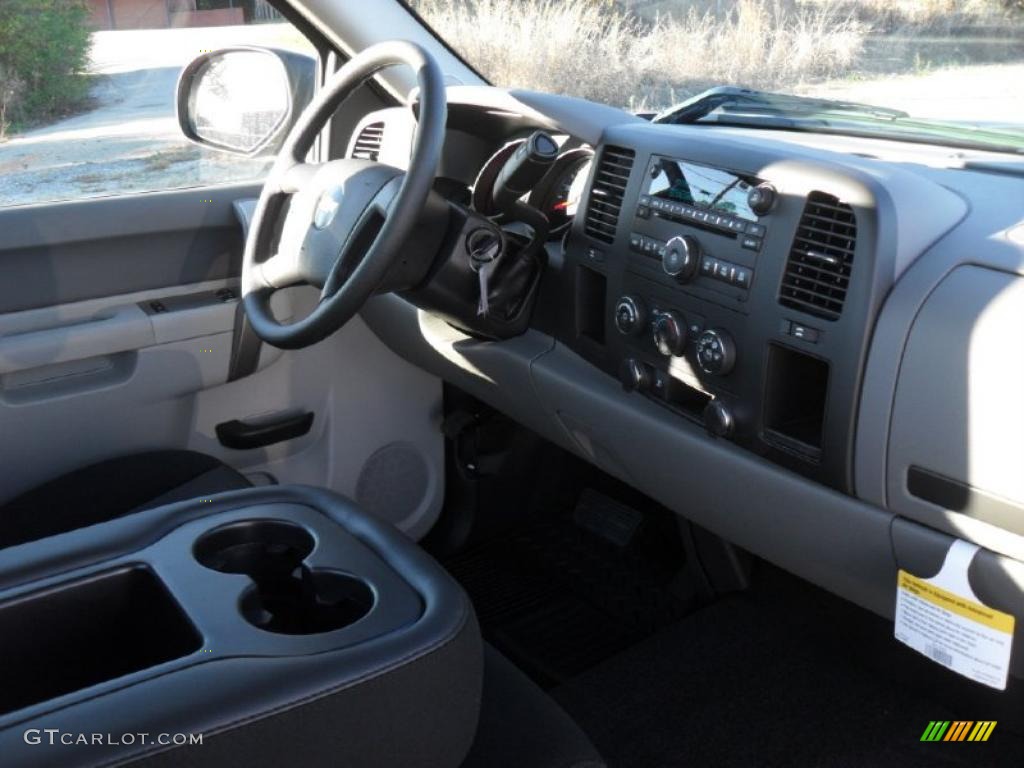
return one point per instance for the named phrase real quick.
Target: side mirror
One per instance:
(244, 100)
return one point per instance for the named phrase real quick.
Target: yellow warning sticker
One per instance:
(969, 609)
(942, 618)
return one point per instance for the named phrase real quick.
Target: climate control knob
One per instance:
(681, 258)
(716, 352)
(669, 332)
(634, 375)
(630, 314)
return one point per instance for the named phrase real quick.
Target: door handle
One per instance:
(241, 436)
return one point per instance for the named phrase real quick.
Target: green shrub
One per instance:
(44, 49)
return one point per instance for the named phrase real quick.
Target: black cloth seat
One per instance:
(522, 726)
(111, 489)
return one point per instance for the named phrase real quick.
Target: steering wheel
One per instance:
(346, 220)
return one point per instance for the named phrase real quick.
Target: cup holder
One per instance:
(287, 596)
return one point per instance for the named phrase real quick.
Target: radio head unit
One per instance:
(700, 224)
(702, 187)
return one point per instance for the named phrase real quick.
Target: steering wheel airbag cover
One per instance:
(347, 279)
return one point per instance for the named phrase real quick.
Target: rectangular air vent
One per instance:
(367, 145)
(817, 272)
(607, 193)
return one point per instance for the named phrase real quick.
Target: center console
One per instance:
(733, 287)
(281, 624)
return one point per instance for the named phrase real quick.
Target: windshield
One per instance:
(947, 71)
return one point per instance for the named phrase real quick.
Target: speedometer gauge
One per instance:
(558, 195)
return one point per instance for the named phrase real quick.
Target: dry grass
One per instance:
(935, 16)
(590, 49)
(765, 45)
(647, 54)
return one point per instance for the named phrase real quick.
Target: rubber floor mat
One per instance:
(557, 598)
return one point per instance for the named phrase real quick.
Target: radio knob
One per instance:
(669, 333)
(761, 198)
(716, 352)
(681, 258)
(629, 315)
(634, 375)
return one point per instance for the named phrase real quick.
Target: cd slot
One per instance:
(700, 225)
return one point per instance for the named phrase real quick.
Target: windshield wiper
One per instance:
(731, 98)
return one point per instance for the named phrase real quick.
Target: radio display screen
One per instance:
(700, 186)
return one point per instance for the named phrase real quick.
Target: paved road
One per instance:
(129, 140)
(991, 94)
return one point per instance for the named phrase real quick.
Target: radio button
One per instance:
(750, 243)
(636, 242)
(757, 230)
(803, 332)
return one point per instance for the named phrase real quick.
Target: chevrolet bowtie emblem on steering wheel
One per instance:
(326, 207)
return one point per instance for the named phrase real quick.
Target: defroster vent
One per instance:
(607, 193)
(817, 274)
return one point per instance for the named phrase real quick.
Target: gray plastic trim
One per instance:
(958, 410)
(497, 372)
(65, 252)
(984, 238)
(821, 535)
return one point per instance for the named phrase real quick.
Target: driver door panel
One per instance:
(89, 370)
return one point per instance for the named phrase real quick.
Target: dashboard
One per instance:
(735, 284)
(801, 342)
